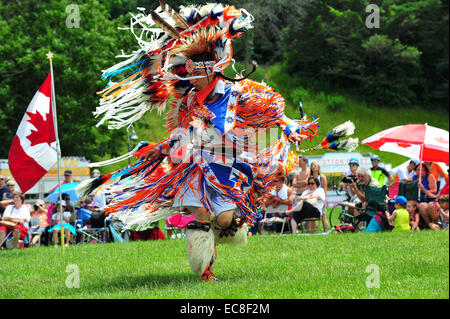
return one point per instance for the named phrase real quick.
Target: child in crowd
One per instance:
(442, 208)
(68, 228)
(435, 214)
(414, 216)
(400, 216)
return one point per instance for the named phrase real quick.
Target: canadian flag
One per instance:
(33, 150)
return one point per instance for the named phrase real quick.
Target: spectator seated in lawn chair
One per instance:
(55, 230)
(308, 206)
(15, 220)
(374, 204)
(427, 184)
(279, 201)
(371, 196)
(39, 225)
(359, 187)
(92, 229)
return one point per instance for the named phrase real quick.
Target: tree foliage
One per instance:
(28, 30)
(403, 61)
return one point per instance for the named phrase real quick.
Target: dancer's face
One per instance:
(201, 83)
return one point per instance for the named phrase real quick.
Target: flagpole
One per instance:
(58, 149)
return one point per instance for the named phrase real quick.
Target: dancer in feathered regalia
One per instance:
(208, 165)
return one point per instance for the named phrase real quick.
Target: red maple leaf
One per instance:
(45, 132)
(442, 140)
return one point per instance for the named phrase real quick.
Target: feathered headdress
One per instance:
(156, 74)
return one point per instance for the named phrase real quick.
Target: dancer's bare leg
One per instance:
(202, 215)
(225, 218)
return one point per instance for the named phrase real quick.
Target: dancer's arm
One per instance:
(260, 106)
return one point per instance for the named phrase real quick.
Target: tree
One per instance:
(28, 30)
(404, 61)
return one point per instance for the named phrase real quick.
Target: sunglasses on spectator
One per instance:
(353, 164)
(374, 160)
(10, 185)
(311, 183)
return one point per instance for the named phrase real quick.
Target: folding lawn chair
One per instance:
(409, 189)
(282, 217)
(35, 221)
(7, 240)
(302, 225)
(97, 232)
(376, 200)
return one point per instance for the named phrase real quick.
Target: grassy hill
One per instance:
(331, 109)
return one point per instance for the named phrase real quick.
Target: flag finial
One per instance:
(49, 55)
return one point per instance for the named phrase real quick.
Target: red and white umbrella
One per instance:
(419, 141)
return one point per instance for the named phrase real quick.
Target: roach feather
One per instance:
(164, 25)
(179, 19)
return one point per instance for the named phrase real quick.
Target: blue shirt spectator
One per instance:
(3, 188)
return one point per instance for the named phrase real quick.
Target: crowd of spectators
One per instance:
(308, 188)
(32, 225)
(300, 200)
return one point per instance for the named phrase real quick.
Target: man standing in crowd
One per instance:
(379, 173)
(300, 182)
(353, 165)
(67, 179)
(402, 175)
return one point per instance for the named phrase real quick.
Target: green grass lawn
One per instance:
(411, 265)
